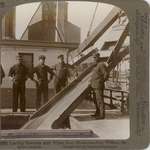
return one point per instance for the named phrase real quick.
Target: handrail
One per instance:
(115, 99)
(115, 90)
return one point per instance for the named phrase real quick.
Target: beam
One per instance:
(57, 123)
(119, 44)
(118, 58)
(100, 30)
(90, 51)
(79, 59)
(37, 44)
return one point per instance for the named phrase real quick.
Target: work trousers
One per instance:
(42, 91)
(18, 92)
(98, 97)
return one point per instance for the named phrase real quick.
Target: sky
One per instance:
(79, 13)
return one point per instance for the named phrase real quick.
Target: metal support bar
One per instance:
(119, 44)
(100, 30)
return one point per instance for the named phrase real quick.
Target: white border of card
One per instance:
(138, 14)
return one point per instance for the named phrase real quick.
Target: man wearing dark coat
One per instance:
(19, 75)
(97, 83)
(42, 71)
(62, 74)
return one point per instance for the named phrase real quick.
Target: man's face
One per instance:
(61, 60)
(96, 59)
(19, 61)
(42, 61)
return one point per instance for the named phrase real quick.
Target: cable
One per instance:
(92, 21)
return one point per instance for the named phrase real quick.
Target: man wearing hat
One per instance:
(19, 75)
(62, 73)
(2, 74)
(98, 78)
(42, 81)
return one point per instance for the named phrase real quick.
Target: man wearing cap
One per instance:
(62, 73)
(98, 78)
(42, 81)
(19, 75)
(2, 74)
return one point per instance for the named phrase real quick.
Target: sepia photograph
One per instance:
(62, 70)
(65, 70)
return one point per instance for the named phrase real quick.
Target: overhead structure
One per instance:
(119, 43)
(121, 35)
(84, 50)
(99, 30)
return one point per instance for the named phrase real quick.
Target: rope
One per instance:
(30, 21)
(92, 21)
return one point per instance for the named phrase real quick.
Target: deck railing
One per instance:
(123, 98)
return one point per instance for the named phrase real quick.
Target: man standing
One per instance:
(98, 79)
(62, 73)
(42, 81)
(19, 75)
(2, 74)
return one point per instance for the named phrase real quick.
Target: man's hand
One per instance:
(35, 81)
(12, 79)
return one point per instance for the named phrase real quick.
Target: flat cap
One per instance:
(42, 57)
(96, 55)
(19, 57)
(60, 56)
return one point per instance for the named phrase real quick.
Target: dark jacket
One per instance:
(62, 72)
(42, 72)
(99, 76)
(19, 72)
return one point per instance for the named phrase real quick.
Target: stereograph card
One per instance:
(74, 74)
